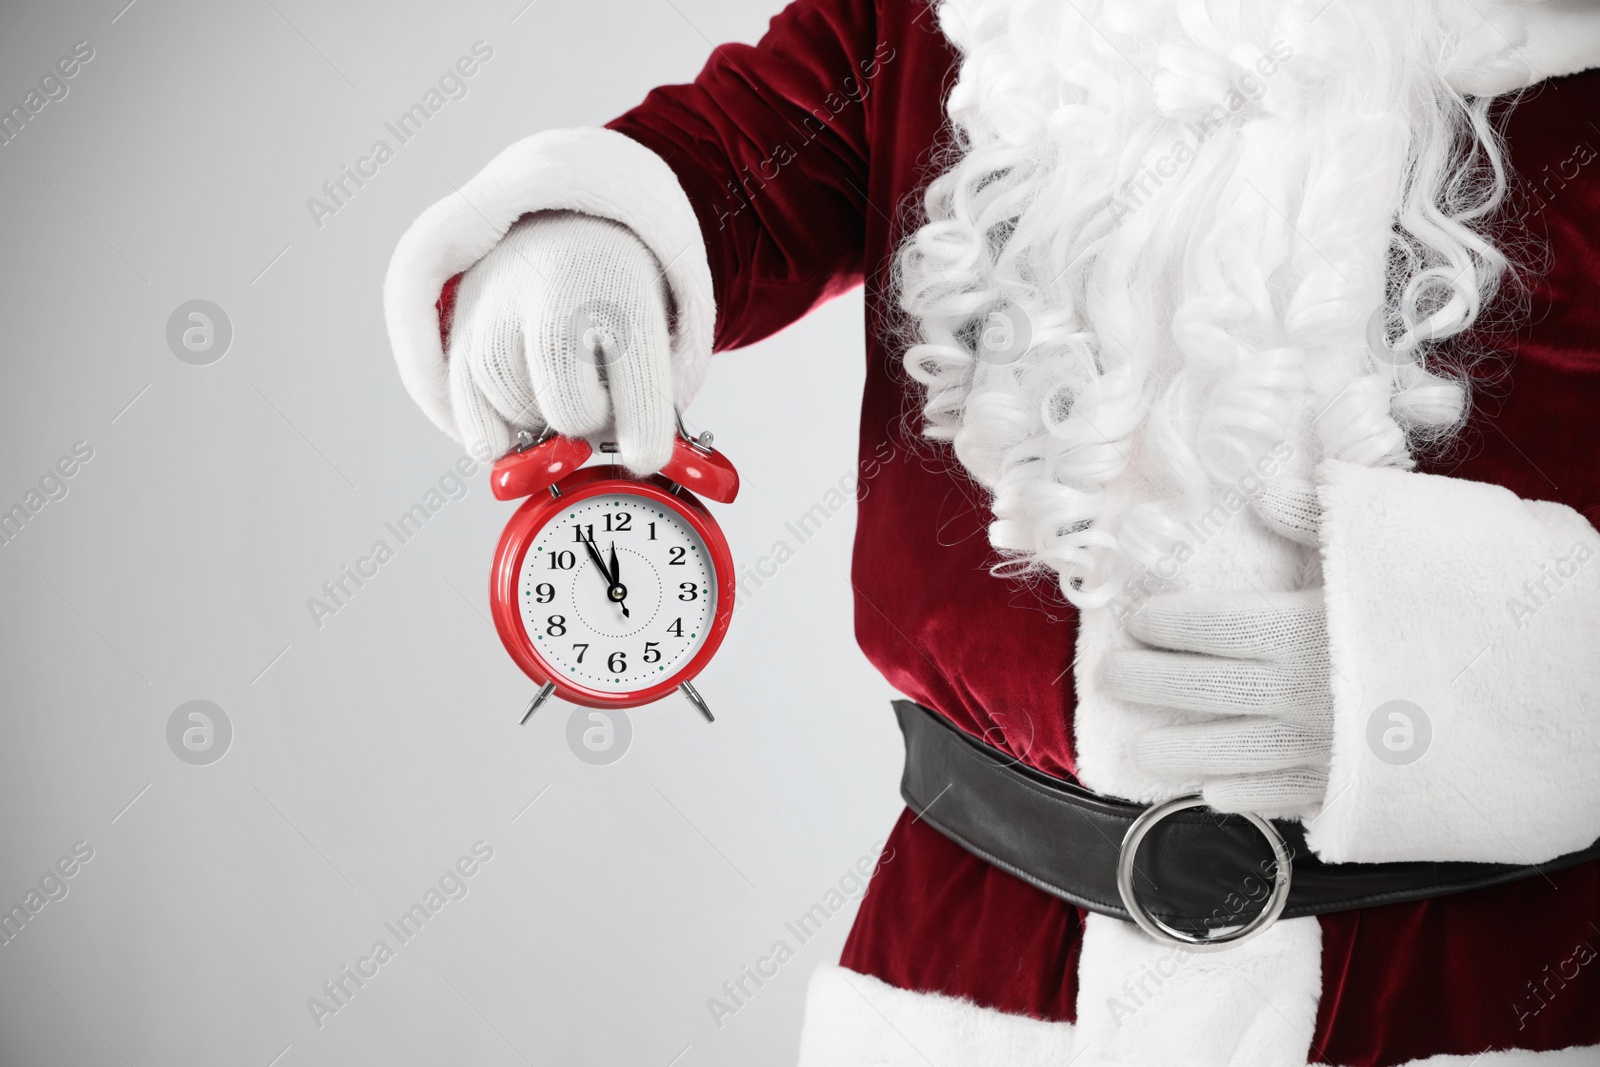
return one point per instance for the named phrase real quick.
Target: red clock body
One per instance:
(613, 590)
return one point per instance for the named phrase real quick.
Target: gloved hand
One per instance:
(1252, 668)
(565, 323)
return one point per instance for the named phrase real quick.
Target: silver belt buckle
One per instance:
(1196, 942)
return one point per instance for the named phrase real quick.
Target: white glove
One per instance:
(565, 323)
(1252, 669)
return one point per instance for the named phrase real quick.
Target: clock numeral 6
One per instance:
(617, 663)
(688, 591)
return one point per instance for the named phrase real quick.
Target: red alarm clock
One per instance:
(608, 590)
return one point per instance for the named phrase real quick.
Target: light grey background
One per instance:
(369, 754)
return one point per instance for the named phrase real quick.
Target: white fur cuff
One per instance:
(1463, 624)
(1563, 38)
(595, 171)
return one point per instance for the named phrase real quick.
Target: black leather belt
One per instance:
(1192, 876)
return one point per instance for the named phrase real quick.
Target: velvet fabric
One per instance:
(804, 157)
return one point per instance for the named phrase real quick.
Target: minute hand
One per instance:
(618, 591)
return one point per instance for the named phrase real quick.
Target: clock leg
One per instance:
(538, 698)
(697, 700)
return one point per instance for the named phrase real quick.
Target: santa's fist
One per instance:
(564, 323)
(1251, 673)
(1251, 670)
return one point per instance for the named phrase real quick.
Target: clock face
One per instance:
(617, 593)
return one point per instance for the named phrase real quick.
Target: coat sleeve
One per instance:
(770, 143)
(1464, 627)
(748, 185)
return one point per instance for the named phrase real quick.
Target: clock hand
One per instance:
(615, 591)
(599, 564)
(619, 592)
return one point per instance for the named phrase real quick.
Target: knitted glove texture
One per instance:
(565, 323)
(1251, 671)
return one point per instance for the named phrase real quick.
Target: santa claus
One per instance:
(1262, 337)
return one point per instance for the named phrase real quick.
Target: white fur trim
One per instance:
(855, 1020)
(595, 171)
(1424, 576)
(1144, 1003)
(1563, 38)
(1213, 1011)
(1507, 45)
(1587, 1056)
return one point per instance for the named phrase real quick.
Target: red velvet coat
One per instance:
(804, 157)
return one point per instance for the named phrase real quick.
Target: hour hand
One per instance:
(614, 589)
(599, 564)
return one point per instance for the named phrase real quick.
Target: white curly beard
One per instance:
(1176, 230)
